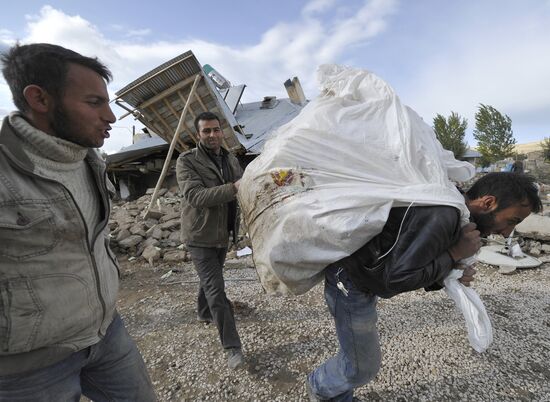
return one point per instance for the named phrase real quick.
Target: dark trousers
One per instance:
(212, 303)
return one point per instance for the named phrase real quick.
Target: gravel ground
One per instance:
(426, 355)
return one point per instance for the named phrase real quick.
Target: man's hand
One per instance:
(467, 276)
(468, 244)
(237, 184)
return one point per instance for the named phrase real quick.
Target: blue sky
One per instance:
(438, 56)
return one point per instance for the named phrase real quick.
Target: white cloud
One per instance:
(138, 32)
(286, 50)
(318, 6)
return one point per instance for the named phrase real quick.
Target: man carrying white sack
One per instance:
(417, 248)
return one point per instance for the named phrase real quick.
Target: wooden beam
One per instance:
(201, 103)
(168, 128)
(173, 111)
(192, 133)
(172, 146)
(160, 96)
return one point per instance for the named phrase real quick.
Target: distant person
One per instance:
(517, 166)
(60, 334)
(208, 176)
(417, 248)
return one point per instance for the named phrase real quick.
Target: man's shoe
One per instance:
(204, 320)
(235, 358)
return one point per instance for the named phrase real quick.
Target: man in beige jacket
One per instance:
(208, 177)
(60, 334)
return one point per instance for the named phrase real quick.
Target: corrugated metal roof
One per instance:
(159, 79)
(138, 150)
(261, 123)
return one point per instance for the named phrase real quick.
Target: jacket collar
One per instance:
(204, 159)
(10, 143)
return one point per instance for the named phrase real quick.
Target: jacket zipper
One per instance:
(92, 256)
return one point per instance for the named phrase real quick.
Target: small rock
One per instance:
(175, 256)
(130, 241)
(507, 269)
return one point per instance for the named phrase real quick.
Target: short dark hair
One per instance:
(206, 116)
(509, 189)
(45, 65)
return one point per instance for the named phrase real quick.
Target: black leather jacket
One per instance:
(419, 259)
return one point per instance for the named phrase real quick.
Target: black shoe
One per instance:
(235, 358)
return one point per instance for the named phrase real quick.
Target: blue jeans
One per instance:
(358, 359)
(111, 370)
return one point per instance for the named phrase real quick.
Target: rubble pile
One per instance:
(158, 237)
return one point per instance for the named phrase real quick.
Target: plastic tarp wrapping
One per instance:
(326, 181)
(478, 323)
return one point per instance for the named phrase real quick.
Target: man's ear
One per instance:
(483, 204)
(37, 98)
(489, 203)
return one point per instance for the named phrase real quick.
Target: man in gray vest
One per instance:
(60, 334)
(208, 177)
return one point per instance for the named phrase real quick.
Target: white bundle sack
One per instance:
(325, 182)
(478, 324)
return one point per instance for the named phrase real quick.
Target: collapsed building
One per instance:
(166, 101)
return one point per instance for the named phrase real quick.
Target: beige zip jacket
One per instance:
(57, 289)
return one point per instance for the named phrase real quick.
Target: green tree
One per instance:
(450, 132)
(545, 144)
(494, 135)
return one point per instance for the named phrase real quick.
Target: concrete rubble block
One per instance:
(133, 212)
(171, 224)
(166, 234)
(126, 226)
(162, 191)
(175, 236)
(149, 223)
(156, 233)
(130, 241)
(155, 214)
(151, 254)
(122, 216)
(150, 191)
(144, 199)
(175, 256)
(169, 217)
(150, 242)
(169, 194)
(545, 248)
(138, 228)
(122, 235)
(535, 227)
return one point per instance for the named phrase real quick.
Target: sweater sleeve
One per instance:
(420, 257)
